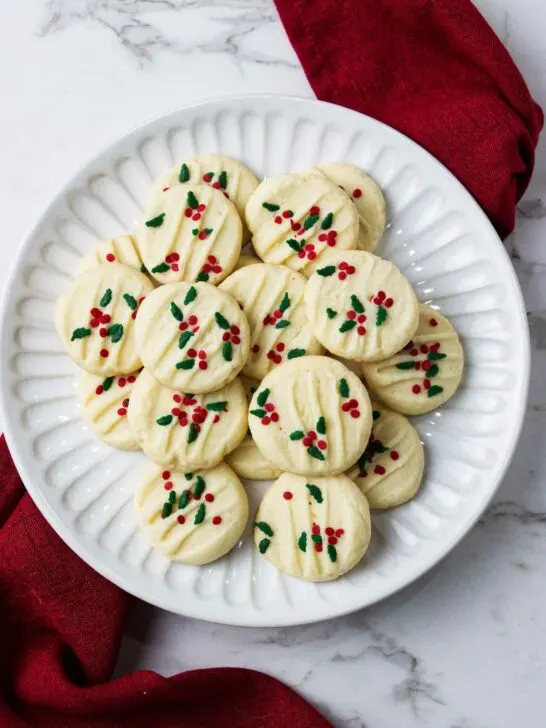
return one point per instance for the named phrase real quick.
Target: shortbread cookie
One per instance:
(123, 249)
(390, 470)
(218, 171)
(95, 318)
(426, 373)
(247, 460)
(272, 300)
(311, 416)
(190, 233)
(366, 196)
(104, 402)
(301, 220)
(194, 338)
(314, 529)
(354, 366)
(361, 307)
(184, 430)
(192, 517)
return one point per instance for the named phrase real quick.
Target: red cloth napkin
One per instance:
(60, 631)
(434, 70)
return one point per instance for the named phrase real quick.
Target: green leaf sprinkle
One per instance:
(106, 298)
(315, 492)
(161, 268)
(191, 295)
(285, 303)
(381, 315)
(295, 353)
(264, 527)
(327, 271)
(199, 487)
(186, 364)
(222, 322)
(327, 222)
(406, 365)
(282, 324)
(143, 269)
(321, 425)
(310, 221)
(379, 448)
(192, 201)
(131, 301)
(436, 356)
(80, 334)
(297, 435)
(264, 545)
(315, 452)
(331, 313)
(302, 542)
(357, 304)
(270, 206)
(188, 476)
(332, 553)
(193, 432)
(216, 406)
(167, 510)
(261, 399)
(317, 538)
(202, 277)
(165, 420)
(222, 179)
(172, 497)
(294, 244)
(433, 391)
(107, 383)
(376, 415)
(347, 326)
(258, 413)
(200, 515)
(185, 336)
(176, 311)
(184, 173)
(343, 388)
(433, 371)
(184, 499)
(115, 332)
(155, 222)
(227, 351)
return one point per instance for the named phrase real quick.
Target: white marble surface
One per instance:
(464, 647)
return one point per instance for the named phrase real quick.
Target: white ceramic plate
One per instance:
(438, 237)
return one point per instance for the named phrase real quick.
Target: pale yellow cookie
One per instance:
(246, 260)
(272, 300)
(219, 171)
(192, 517)
(95, 318)
(247, 460)
(366, 196)
(123, 249)
(390, 470)
(354, 366)
(194, 338)
(314, 529)
(186, 431)
(426, 373)
(361, 307)
(104, 403)
(310, 416)
(301, 220)
(190, 233)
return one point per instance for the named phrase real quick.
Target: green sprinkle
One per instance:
(80, 334)
(217, 406)
(184, 499)
(297, 435)
(184, 173)
(317, 538)
(200, 515)
(433, 371)
(264, 545)
(332, 553)
(172, 497)
(375, 415)
(433, 391)
(184, 338)
(165, 420)
(167, 510)
(264, 527)
(155, 222)
(310, 221)
(199, 487)
(295, 353)
(357, 304)
(106, 298)
(222, 179)
(406, 365)
(258, 413)
(294, 244)
(282, 324)
(191, 295)
(331, 313)
(192, 201)
(107, 383)
(131, 301)
(188, 476)
(270, 206)
(261, 399)
(321, 426)
(327, 271)
(176, 311)
(343, 388)
(222, 322)
(381, 316)
(161, 268)
(327, 222)
(193, 432)
(302, 542)
(315, 491)
(227, 351)
(347, 326)
(315, 452)
(202, 277)
(285, 303)
(436, 356)
(115, 332)
(186, 364)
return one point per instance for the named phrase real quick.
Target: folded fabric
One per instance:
(434, 70)
(60, 630)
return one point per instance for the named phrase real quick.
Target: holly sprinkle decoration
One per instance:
(315, 445)
(266, 410)
(311, 225)
(383, 303)
(98, 319)
(374, 448)
(109, 382)
(354, 317)
(230, 337)
(343, 270)
(351, 405)
(428, 363)
(188, 413)
(194, 492)
(211, 266)
(266, 529)
(317, 539)
(276, 318)
(221, 182)
(169, 263)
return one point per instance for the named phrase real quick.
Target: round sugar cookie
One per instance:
(218, 171)
(185, 430)
(361, 307)
(426, 373)
(314, 529)
(247, 460)
(123, 249)
(272, 300)
(190, 233)
(366, 196)
(194, 338)
(95, 318)
(311, 416)
(192, 517)
(104, 402)
(390, 470)
(301, 220)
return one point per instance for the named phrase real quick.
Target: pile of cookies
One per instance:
(220, 365)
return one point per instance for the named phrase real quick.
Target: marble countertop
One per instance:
(462, 648)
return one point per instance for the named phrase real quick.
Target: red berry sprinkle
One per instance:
(203, 365)
(340, 532)
(287, 495)
(318, 547)
(315, 210)
(168, 485)
(394, 455)
(322, 445)
(166, 475)
(361, 330)
(280, 346)
(269, 407)
(416, 389)
(177, 398)
(99, 389)
(315, 529)
(342, 276)
(192, 353)
(433, 322)
(209, 497)
(426, 383)
(255, 349)
(351, 315)
(103, 332)
(110, 257)
(217, 520)
(388, 303)
(104, 353)
(181, 519)
(329, 531)
(287, 214)
(95, 312)
(357, 193)
(355, 413)
(332, 540)
(278, 219)
(379, 470)
(424, 349)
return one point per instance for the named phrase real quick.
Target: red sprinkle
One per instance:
(351, 315)
(379, 470)
(357, 193)
(99, 389)
(315, 530)
(340, 532)
(332, 540)
(209, 497)
(322, 445)
(424, 349)
(361, 330)
(433, 322)
(287, 213)
(103, 332)
(110, 257)
(192, 353)
(342, 276)
(104, 353)
(168, 485)
(318, 547)
(165, 475)
(181, 519)
(394, 455)
(287, 495)
(122, 381)
(329, 531)
(203, 365)
(355, 413)
(426, 383)
(315, 210)
(278, 219)
(122, 411)
(177, 398)
(280, 346)
(175, 267)
(388, 302)
(416, 389)
(255, 349)
(269, 407)
(202, 354)
(217, 520)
